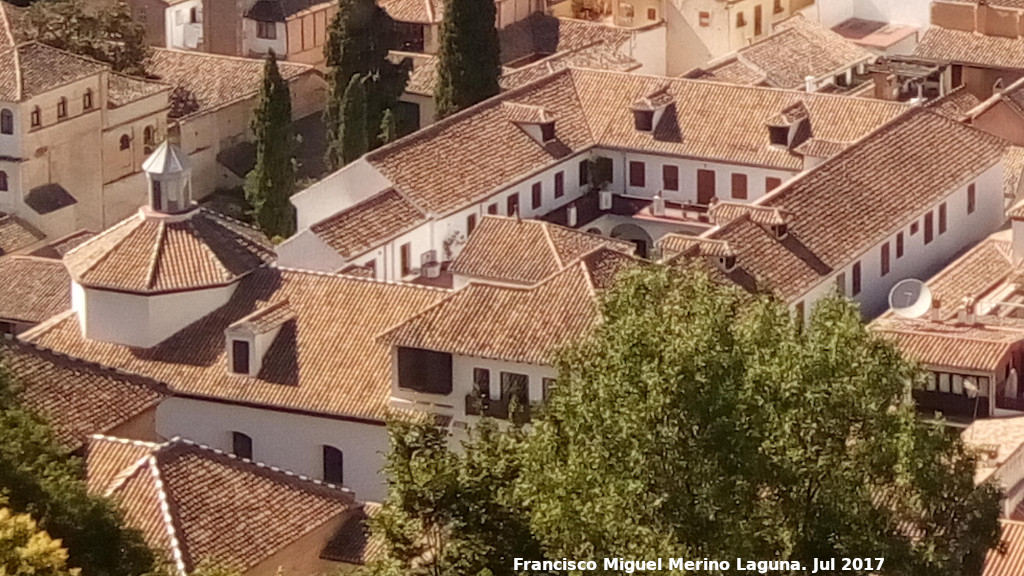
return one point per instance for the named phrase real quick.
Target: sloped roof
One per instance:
(280, 10)
(49, 198)
(77, 398)
(166, 159)
(1010, 560)
(353, 543)
(797, 48)
(151, 253)
(975, 273)
(200, 505)
(487, 321)
(525, 251)
(216, 80)
(468, 156)
(598, 56)
(16, 234)
(948, 345)
(35, 289)
(956, 104)
(884, 181)
(369, 223)
(414, 11)
(324, 361)
(966, 47)
(123, 89)
(61, 246)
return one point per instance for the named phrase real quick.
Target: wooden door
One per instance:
(705, 186)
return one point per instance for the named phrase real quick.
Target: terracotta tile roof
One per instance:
(78, 398)
(971, 48)
(1014, 161)
(796, 49)
(267, 318)
(731, 71)
(975, 273)
(487, 321)
(949, 345)
(423, 78)
(415, 11)
(281, 10)
(44, 68)
(201, 505)
(353, 543)
(123, 89)
(525, 251)
(542, 34)
(1001, 437)
(956, 104)
(324, 361)
(598, 56)
(35, 289)
(61, 246)
(16, 234)
(882, 191)
(1009, 560)
(673, 245)
(150, 252)
(216, 80)
(819, 148)
(369, 223)
(468, 156)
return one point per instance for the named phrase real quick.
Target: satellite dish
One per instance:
(910, 298)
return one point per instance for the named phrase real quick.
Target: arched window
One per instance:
(87, 100)
(334, 466)
(149, 135)
(62, 108)
(36, 117)
(193, 15)
(126, 142)
(3, 181)
(6, 121)
(241, 445)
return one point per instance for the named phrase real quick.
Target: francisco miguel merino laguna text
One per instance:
(741, 565)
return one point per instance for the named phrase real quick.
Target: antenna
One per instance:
(910, 298)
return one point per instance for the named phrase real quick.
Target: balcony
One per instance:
(951, 404)
(476, 406)
(1008, 403)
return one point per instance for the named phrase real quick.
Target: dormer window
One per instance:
(535, 120)
(643, 120)
(791, 127)
(778, 135)
(727, 263)
(240, 356)
(547, 131)
(780, 231)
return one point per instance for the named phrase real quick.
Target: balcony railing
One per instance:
(476, 406)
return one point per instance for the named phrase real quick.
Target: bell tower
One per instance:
(169, 177)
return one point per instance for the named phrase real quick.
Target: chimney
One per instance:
(936, 311)
(966, 314)
(809, 84)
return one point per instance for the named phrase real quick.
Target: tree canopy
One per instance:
(358, 41)
(27, 551)
(271, 182)
(107, 34)
(469, 57)
(699, 421)
(40, 478)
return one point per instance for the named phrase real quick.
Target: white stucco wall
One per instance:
(308, 252)
(290, 441)
(142, 321)
(251, 44)
(353, 183)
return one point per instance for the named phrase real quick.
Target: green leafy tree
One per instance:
(272, 181)
(358, 41)
(697, 420)
(25, 550)
(39, 478)
(107, 34)
(469, 58)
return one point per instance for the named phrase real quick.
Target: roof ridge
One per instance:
(551, 244)
(148, 380)
(348, 277)
(285, 63)
(137, 220)
(168, 517)
(158, 249)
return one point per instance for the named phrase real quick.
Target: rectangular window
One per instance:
(929, 228)
(241, 445)
(914, 226)
(705, 19)
(670, 177)
(777, 7)
(240, 356)
(584, 172)
(406, 258)
(652, 14)
(637, 174)
(798, 311)
(771, 183)
(944, 382)
(739, 186)
(899, 245)
(334, 466)
(855, 289)
(972, 199)
(515, 386)
(931, 384)
(7, 330)
(266, 30)
(942, 218)
(512, 205)
(470, 224)
(841, 283)
(547, 387)
(559, 184)
(424, 371)
(481, 383)
(885, 259)
(958, 384)
(741, 20)
(536, 196)
(492, 209)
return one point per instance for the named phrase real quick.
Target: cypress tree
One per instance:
(469, 59)
(354, 133)
(271, 182)
(359, 38)
(388, 128)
